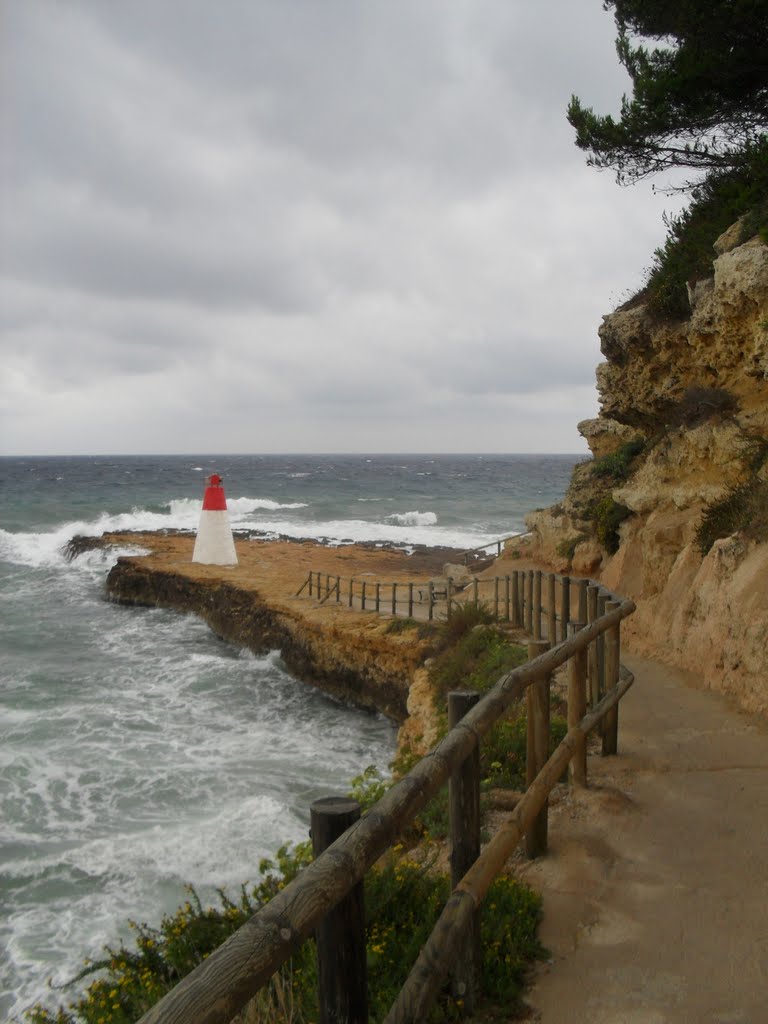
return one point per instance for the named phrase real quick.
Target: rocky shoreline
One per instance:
(349, 654)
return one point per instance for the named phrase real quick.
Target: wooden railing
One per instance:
(540, 602)
(222, 985)
(498, 544)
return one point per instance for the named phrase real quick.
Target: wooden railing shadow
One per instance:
(323, 898)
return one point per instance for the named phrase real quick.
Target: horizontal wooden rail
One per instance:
(219, 987)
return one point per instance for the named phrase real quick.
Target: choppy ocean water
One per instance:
(138, 752)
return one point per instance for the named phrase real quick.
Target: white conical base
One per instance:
(214, 544)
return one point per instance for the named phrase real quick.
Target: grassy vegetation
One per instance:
(687, 253)
(744, 509)
(617, 466)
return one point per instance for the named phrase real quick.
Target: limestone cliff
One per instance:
(681, 456)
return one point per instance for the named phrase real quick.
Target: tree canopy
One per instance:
(699, 94)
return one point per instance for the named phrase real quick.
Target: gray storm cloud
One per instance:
(359, 226)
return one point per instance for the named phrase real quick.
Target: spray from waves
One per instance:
(413, 518)
(184, 508)
(45, 548)
(350, 531)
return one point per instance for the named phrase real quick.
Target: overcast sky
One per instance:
(306, 225)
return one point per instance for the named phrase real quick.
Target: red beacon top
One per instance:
(214, 500)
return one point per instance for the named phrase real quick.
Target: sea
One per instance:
(139, 753)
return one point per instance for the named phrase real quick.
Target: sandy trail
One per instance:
(656, 883)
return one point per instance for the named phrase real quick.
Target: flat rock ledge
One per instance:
(348, 654)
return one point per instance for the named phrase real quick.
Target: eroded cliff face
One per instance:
(683, 423)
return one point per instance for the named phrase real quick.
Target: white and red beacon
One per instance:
(214, 544)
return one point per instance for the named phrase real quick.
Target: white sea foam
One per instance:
(337, 531)
(413, 518)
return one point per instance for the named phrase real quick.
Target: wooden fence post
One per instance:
(593, 666)
(551, 610)
(431, 600)
(378, 597)
(362, 596)
(529, 602)
(537, 749)
(464, 804)
(612, 661)
(516, 617)
(394, 598)
(341, 953)
(475, 591)
(506, 598)
(565, 607)
(338, 590)
(448, 598)
(581, 590)
(351, 590)
(602, 600)
(410, 600)
(577, 708)
(537, 605)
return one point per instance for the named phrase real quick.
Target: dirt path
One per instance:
(656, 884)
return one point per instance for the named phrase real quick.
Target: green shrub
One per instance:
(503, 754)
(403, 900)
(699, 405)
(474, 662)
(401, 625)
(464, 618)
(566, 548)
(687, 253)
(744, 509)
(607, 515)
(617, 466)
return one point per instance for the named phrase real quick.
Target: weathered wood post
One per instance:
(410, 600)
(341, 953)
(448, 597)
(581, 590)
(516, 617)
(506, 598)
(310, 583)
(551, 610)
(602, 600)
(565, 607)
(338, 589)
(475, 591)
(593, 667)
(537, 749)
(394, 598)
(431, 600)
(612, 660)
(327, 584)
(537, 605)
(351, 590)
(378, 597)
(464, 804)
(529, 602)
(577, 708)
(362, 595)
